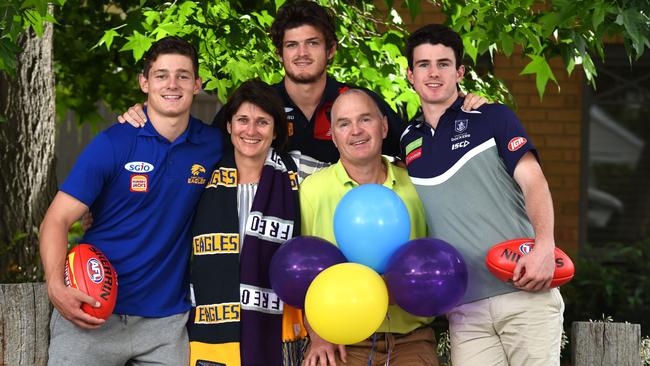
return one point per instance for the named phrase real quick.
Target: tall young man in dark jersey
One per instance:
(480, 183)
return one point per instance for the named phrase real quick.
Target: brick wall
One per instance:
(553, 123)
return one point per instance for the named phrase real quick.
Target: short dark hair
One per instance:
(170, 45)
(435, 34)
(294, 14)
(261, 94)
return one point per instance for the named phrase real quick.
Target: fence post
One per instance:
(24, 324)
(605, 344)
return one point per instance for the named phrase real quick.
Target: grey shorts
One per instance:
(122, 340)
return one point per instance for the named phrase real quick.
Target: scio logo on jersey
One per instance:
(525, 248)
(460, 125)
(516, 143)
(138, 167)
(95, 270)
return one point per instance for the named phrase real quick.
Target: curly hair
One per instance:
(294, 14)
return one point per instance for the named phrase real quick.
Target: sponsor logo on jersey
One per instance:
(226, 177)
(415, 154)
(139, 183)
(197, 173)
(460, 125)
(215, 243)
(138, 167)
(459, 145)
(525, 248)
(259, 299)
(268, 227)
(413, 145)
(516, 143)
(322, 125)
(290, 127)
(95, 270)
(288, 109)
(217, 313)
(461, 136)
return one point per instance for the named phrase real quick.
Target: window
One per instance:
(618, 144)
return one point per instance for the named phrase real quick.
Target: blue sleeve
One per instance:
(510, 136)
(92, 170)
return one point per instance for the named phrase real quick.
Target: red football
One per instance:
(88, 269)
(502, 258)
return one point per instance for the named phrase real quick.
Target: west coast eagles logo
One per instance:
(198, 172)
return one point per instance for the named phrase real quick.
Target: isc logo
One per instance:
(138, 167)
(459, 145)
(95, 270)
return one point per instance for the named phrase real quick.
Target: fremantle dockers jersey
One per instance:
(463, 172)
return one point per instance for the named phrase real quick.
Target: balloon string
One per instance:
(372, 349)
(388, 336)
(390, 346)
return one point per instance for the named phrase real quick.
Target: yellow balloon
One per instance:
(346, 303)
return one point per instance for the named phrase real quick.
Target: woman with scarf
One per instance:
(248, 209)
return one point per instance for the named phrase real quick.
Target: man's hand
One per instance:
(473, 101)
(534, 271)
(134, 116)
(68, 302)
(322, 352)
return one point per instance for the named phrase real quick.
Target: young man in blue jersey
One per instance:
(141, 186)
(480, 182)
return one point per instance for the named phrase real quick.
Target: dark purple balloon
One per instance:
(426, 277)
(297, 262)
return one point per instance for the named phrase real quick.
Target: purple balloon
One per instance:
(297, 262)
(426, 277)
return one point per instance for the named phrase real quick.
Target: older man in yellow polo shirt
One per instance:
(358, 128)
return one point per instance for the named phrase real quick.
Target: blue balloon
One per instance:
(370, 223)
(426, 277)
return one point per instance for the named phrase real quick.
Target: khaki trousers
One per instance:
(517, 329)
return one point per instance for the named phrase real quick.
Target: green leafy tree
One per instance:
(27, 181)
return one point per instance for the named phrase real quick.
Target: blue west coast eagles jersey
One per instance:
(142, 191)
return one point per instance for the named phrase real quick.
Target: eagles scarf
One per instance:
(238, 319)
